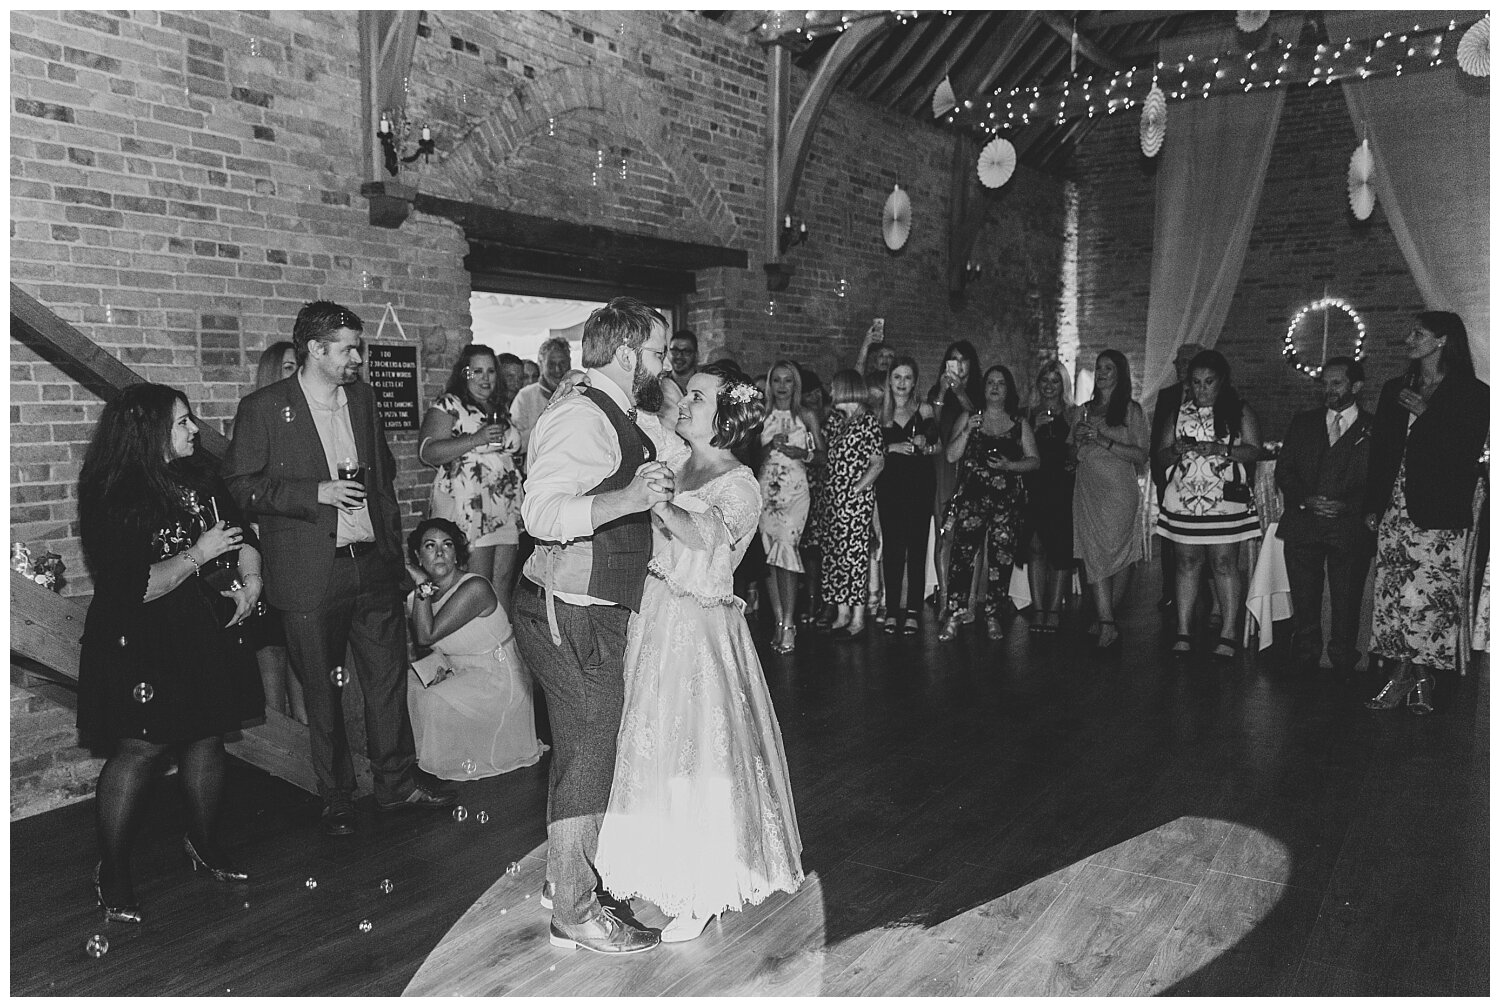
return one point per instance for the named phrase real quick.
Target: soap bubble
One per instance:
(310, 883)
(387, 887)
(96, 946)
(338, 676)
(470, 766)
(365, 926)
(482, 817)
(460, 813)
(143, 692)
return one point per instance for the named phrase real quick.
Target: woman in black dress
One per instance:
(904, 494)
(1049, 496)
(163, 664)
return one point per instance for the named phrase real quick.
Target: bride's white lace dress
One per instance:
(700, 818)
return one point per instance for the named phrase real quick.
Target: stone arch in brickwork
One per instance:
(525, 111)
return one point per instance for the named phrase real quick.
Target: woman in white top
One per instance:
(791, 438)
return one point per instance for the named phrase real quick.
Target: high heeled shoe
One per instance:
(949, 632)
(1391, 696)
(786, 640)
(128, 912)
(226, 873)
(685, 928)
(1419, 699)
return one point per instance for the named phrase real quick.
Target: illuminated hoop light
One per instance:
(1289, 346)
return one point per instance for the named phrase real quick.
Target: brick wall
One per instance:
(182, 182)
(47, 768)
(1304, 238)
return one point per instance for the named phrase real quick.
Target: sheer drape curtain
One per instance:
(518, 324)
(1429, 134)
(1207, 194)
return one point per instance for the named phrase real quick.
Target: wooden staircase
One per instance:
(46, 629)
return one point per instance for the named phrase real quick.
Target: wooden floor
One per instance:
(1012, 818)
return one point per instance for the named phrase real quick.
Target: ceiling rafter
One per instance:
(921, 71)
(1000, 50)
(915, 34)
(1086, 46)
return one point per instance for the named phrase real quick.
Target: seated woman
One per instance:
(475, 719)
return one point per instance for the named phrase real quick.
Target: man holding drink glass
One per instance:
(310, 461)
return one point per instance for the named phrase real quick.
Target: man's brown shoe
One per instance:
(605, 934)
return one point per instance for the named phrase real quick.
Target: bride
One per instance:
(700, 816)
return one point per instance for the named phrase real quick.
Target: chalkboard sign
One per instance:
(392, 371)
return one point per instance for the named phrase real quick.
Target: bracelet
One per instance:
(426, 590)
(197, 567)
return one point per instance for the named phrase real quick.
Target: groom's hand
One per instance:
(653, 482)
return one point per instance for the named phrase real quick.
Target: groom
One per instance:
(592, 479)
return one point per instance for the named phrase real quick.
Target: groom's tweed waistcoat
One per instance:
(622, 548)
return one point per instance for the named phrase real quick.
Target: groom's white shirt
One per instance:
(573, 449)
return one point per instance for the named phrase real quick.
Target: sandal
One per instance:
(912, 624)
(1102, 648)
(1183, 645)
(1223, 642)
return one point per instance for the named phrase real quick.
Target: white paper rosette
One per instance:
(943, 99)
(997, 162)
(1474, 49)
(1251, 20)
(1361, 182)
(1153, 121)
(895, 222)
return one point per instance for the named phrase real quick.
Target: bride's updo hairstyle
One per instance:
(739, 409)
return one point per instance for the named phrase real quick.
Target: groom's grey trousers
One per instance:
(584, 681)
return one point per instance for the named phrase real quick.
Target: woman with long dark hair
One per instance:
(904, 494)
(958, 393)
(992, 449)
(277, 361)
(159, 669)
(1208, 508)
(468, 437)
(1430, 428)
(1111, 441)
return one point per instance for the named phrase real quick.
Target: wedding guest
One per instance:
(875, 589)
(682, 358)
(815, 399)
(474, 718)
(277, 361)
(1049, 495)
(1430, 428)
(791, 438)
(904, 494)
(468, 437)
(159, 671)
(1208, 508)
(531, 373)
(993, 447)
(512, 378)
(1322, 470)
(1162, 417)
(848, 502)
(555, 359)
(1112, 445)
(875, 355)
(959, 393)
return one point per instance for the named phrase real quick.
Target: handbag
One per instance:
(431, 669)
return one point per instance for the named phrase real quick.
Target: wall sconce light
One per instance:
(426, 146)
(792, 232)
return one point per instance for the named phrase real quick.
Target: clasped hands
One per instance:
(224, 537)
(654, 484)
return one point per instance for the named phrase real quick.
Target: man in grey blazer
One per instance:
(1322, 469)
(309, 461)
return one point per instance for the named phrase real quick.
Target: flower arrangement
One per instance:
(45, 568)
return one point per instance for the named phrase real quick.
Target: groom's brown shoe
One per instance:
(605, 934)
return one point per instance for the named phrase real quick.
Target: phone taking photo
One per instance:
(878, 330)
(951, 366)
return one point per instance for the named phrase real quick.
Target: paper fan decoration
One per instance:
(943, 99)
(1153, 121)
(1474, 49)
(997, 162)
(1361, 182)
(1248, 21)
(895, 223)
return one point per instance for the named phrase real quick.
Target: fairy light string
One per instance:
(1324, 304)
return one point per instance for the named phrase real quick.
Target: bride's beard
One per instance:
(648, 393)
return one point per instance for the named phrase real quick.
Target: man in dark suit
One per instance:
(310, 461)
(1322, 470)
(1162, 418)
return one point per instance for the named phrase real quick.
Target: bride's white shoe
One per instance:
(684, 928)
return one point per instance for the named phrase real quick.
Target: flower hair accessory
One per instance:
(744, 392)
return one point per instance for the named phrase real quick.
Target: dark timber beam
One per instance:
(1000, 51)
(82, 359)
(916, 41)
(386, 41)
(966, 213)
(1115, 18)
(921, 71)
(1086, 47)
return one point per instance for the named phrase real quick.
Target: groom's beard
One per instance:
(648, 394)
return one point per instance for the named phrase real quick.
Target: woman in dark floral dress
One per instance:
(855, 459)
(468, 437)
(992, 448)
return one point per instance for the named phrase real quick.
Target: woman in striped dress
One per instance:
(1208, 509)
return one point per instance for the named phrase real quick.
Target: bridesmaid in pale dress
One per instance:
(475, 718)
(792, 440)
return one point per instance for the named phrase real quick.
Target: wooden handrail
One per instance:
(92, 366)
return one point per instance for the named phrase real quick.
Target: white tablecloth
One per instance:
(1269, 597)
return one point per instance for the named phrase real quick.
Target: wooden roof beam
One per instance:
(1086, 46)
(1097, 20)
(915, 41)
(921, 71)
(1000, 50)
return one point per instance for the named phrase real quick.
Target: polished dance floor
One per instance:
(1013, 818)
